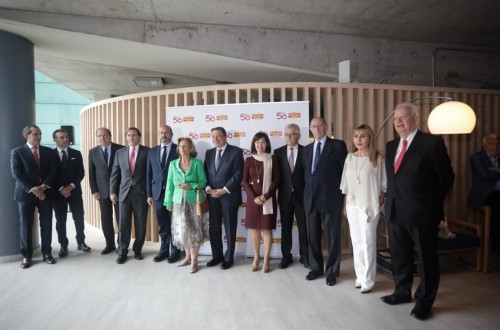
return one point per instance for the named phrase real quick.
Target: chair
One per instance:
(469, 238)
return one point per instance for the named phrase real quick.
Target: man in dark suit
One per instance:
(69, 192)
(485, 190)
(291, 196)
(419, 175)
(323, 200)
(128, 181)
(224, 168)
(101, 159)
(157, 172)
(34, 168)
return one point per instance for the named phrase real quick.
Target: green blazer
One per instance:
(195, 177)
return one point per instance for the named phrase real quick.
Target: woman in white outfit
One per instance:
(364, 183)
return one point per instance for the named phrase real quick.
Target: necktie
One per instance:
(316, 156)
(64, 160)
(35, 154)
(132, 160)
(494, 161)
(218, 159)
(106, 155)
(291, 159)
(164, 157)
(400, 157)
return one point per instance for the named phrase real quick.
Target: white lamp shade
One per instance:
(452, 117)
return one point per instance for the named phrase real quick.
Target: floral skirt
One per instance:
(187, 227)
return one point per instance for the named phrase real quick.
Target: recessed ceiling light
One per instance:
(150, 81)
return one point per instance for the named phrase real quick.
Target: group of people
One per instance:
(313, 184)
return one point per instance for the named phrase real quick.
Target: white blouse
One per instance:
(363, 184)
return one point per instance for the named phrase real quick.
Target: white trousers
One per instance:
(364, 245)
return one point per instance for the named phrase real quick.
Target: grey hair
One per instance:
(490, 135)
(294, 127)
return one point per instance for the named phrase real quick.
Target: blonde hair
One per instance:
(372, 152)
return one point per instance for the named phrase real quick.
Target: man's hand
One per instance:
(97, 196)
(66, 191)
(216, 193)
(150, 201)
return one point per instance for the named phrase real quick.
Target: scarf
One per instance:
(267, 207)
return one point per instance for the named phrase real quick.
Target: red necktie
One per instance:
(35, 154)
(401, 155)
(132, 160)
(291, 159)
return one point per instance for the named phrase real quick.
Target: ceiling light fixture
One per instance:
(155, 82)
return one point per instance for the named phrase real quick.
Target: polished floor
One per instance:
(90, 291)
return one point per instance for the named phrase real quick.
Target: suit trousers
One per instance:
(331, 225)
(287, 212)
(364, 244)
(107, 224)
(165, 228)
(230, 216)
(134, 204)
(75, 203)
(403, 240)
(26, 214)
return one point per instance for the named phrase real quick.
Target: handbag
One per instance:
(201, 204)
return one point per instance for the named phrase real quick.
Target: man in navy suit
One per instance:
(291, 196)
(101, 159)
(34, 168)
(69, 192)
(128, 188)
(323, 200)
(159, 159)
(224, 168)
(419, 175)
(485, 190)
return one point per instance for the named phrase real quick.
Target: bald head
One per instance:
(165, 134)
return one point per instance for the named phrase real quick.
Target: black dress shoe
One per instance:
(48, 258)
(284, 263)
(313, 275)
(139, 256)
(83, 247)
(108, 249)
(214, 262)
(331, 280)
(173, 258)
(395, 300)
(64, 252)
(160, 257)
(121, 259)
(26, 263)
(226, 265)
(420, 312)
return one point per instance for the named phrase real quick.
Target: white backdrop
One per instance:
(241, 122)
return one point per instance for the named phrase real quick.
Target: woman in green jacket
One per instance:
(185, 177)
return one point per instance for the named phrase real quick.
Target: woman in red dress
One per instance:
(261, 179)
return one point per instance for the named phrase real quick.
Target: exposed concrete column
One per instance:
(17, 109)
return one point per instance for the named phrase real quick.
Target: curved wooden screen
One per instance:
(344, 106)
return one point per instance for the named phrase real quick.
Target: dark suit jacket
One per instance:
(425, 176)
(483, 180)
(290, 182)
(121, 177)
(156, 176)
(99, 172)
(26, 172)
(322, 188)
(229, 175)
(73, 173)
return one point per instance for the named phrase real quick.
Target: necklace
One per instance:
(358, 181)
(258, 171)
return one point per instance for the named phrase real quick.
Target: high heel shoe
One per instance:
(265, 267)
(255, 265)
(194, 267)
(184, 262)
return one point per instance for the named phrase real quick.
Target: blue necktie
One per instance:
(105, 153)
(316, 156)
(64, 158)
(218, 159)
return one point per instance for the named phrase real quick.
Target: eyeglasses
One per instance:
(317, 126)
(291, 134)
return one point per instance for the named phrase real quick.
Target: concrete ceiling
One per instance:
(101, 64)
